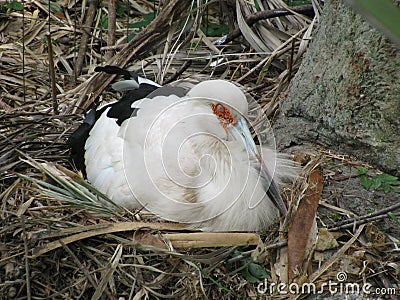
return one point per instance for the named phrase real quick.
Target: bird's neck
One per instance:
(219, 163)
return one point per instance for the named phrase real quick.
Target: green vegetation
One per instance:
(251, 270)
(297, 2)
(394, 218)
(385, 181)
(14, 5)
(382, 13)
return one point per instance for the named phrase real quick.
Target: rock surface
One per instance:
(346, 95)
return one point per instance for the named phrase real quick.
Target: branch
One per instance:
(269, 14)
(85, 37)
(150, 35)
(112, 17)
(365, 218)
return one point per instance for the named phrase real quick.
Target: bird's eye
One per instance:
(220, 108)
(223, 114)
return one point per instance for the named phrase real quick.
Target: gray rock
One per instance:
(346, 95)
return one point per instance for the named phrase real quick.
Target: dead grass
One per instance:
(57, 243)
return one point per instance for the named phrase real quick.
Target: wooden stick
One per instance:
(363, 219)
(52, 75)
(85, 37)
(178, 73)
(178, 240)
(212, 239)
(112, 21)
(101, 229)
(27, 265)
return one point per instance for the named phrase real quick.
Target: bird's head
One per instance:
(227, 101)
(229, 104)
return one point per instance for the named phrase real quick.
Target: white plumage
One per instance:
(189, 159)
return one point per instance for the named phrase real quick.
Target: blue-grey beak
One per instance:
(241, 132)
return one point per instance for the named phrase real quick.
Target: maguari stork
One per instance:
(183, 152)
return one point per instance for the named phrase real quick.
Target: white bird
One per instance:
(187, 158)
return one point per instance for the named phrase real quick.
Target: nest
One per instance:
(58, 242)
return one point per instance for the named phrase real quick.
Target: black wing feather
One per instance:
(120, 111)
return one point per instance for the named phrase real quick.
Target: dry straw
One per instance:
(57, 241)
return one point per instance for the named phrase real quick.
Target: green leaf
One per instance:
(362, 171)
(104, 22)
(215, 30)
(147, 18)
(257, 271)
(54, 6)
(297, 2)
(386, 181)
(335, 216)
(389, 179)
(376, 182)
(394, 218)
(386, 187)
(15, 5)
(366, 182)
(120, 8)
(252, 271)
(207, 275)
(130, 37)
(249, 278)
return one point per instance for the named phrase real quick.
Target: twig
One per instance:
(276, 245)
(228, 15)
(107, 274)
(268, 59)
(290, 61)
(265, 84)
(52, 74)
(100, 229)
(376, 266)
(85, 36)
(268, 14)
(358, 222)
(365, 218)
(175, 76)
(335, 257)
(112, 21)
(81, 266)
(27, 268)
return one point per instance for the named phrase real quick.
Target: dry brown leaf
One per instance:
(24, 206)
(301, 227)
(376, 237)
(146, 238)
(352, 264)
(326, 240)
